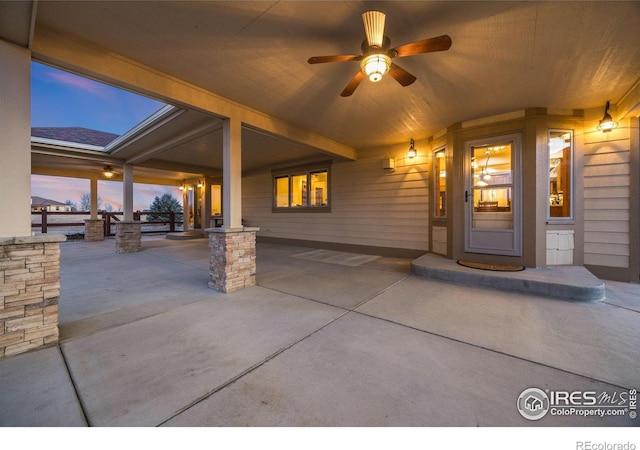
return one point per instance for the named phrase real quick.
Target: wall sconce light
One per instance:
(108, 172)
(200, 184)
(412, 151)
(181, 187)
(607, 123)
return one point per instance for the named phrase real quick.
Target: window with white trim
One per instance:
(304, 188)
(560, 175)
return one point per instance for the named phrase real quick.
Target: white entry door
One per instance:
(493, 203)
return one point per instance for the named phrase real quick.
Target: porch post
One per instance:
(232, 248)
(29, 265)
(94, 198)
(128, 231)
(232, 173)
(127, 192)
(94, 227)
(15, 141)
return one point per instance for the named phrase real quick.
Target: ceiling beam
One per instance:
(83, 174)
(73, 153)
(89, 60)
(172, 166)
(181, 139)
(148, 126)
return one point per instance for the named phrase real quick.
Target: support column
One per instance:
(232, 248)
(29, 295)
(128, 231)
(29, 265)
(94, 227)
(127, 192)
(232, 174)
(15, 140)
(185, 206)
(232, 258)
(206, 205)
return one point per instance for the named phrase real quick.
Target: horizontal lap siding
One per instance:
(606, 202)
(369, 207)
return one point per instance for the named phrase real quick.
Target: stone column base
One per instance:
(232, 258)
(94, 230)
(128, 237)
(30, 268)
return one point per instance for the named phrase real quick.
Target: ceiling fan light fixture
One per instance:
(108, 172)
(374, 27)
(375, 66)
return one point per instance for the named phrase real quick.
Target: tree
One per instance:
(165, 203)
(85, 202)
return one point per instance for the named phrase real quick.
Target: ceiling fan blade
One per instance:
(436, 44)
(374, 27)
(334, 58)
(353, 84)
(400, 75)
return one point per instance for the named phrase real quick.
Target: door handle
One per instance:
(466, 196)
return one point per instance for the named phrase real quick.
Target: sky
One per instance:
(62, 189)
(62, 99)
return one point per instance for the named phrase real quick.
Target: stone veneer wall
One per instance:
(232, 258)
(29, 292)
(94, 230)
(128, 237)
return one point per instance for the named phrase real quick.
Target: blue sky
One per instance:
(62, 99)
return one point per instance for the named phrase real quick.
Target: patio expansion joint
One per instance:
(83, 410)
(248, 371)
(459, 341)
(621, 307)
(353, 308)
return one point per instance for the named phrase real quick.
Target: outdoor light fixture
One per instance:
(412, 151)
(607, 123)
(108, 172)
(375, 66)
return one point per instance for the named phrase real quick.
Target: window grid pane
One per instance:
(299, 190)
(282, 192)
(560, 183)
(318, 190)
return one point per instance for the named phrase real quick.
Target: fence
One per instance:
(152, 222)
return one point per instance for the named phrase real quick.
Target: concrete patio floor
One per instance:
(320, 341)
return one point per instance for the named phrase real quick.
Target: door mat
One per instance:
(489, 266)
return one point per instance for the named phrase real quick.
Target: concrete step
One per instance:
(565, 282)
(185, 235)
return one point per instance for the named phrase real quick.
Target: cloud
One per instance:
(84, 84)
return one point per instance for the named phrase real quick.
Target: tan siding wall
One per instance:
(606, 198)
(369, 206)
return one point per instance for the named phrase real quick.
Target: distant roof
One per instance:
(41, 201)
(75, 134)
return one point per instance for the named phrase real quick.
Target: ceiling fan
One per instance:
(375, 60)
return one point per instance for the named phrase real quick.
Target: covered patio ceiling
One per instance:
(505, 56)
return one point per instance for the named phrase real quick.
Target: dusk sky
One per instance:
(62, 99)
